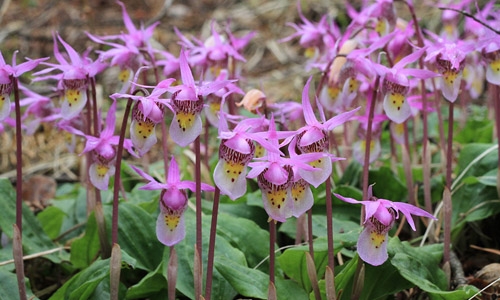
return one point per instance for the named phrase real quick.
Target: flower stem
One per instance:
(172, 273)
(116, 189)
(329, 230)
(496, 104)
(368, 138)
(164, 145)
(272, 255)
(447, 200)
(425, 153)
(18, 227)
(211, 244)
(198, 275)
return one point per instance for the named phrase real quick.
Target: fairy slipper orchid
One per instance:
(380, 215)
(313, 138)
(187, 104)
(170, 227)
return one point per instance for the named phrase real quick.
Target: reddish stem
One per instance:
(272, 241)
(368, 138)
(116, 189)
(211, 244)
(329, 227)
(18, 232)
(447, 200)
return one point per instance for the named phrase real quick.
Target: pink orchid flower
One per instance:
(7, 72)
(236, 150)
(103, 148)
(313, 138)
(449, 58)
(275, 175)
(380, 215)
(395, 85)
(170, 225)
(187, 104)
(146, 113)
(74, 77)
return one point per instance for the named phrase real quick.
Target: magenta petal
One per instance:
(383, 215)
(408, 210)
(373, 251)
(186, 74)
(167, 235)
(174, 198)
(309, 116)
(312, 135)
(238, 144)
(276, 174)
(173, 176)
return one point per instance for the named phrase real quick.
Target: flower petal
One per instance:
(396, 107)
(276, 174)
(170, 228)
(302, 197)
(73, 104)
(450, 85)
(230, 178)
(372, 246)
(4, 106)
(185, 128)
(323, 169)
(143, 135)
(493, 72)
(277, 203)
(99, 175)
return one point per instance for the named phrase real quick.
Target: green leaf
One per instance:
(222, 289)
(137, 235)
(150, 284)
(82, 285)
(246, 236)
(8, 284)
(254, 283)
(352, 174)
(293, 263)
(345, 232)
(489, 178)
(478, 128)
(85, 249)
(378, 287)
(344, 278)
(34, 238)
(420, 266)
(389, 186)
(51, 219)
(471, 166)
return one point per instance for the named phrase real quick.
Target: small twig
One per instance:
(485, 288)
(472, 17)
(35, 255)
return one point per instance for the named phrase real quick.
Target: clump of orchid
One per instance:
(370, 67)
